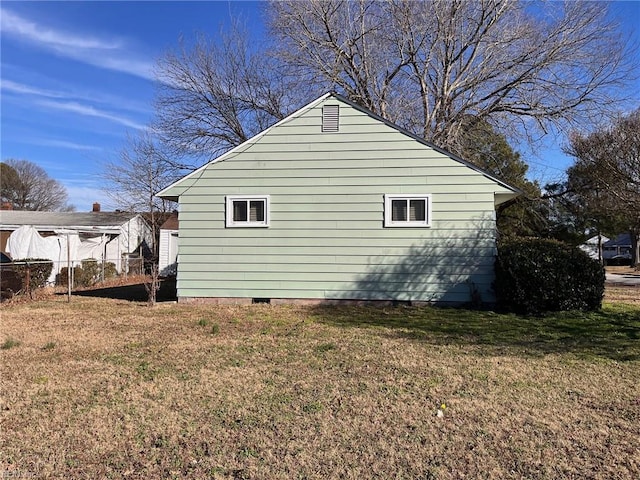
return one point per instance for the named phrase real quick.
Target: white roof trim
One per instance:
(515, 191)
(247, 143)
(114, 230)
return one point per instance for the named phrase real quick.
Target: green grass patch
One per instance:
(613, 332)
(326, 347)
(10, 343)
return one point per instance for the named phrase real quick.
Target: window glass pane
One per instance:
(398, 210)
(417, 210)
(239, 211)
(256, 211)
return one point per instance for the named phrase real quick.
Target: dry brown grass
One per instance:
(110, 389)
(622, 294)
(621, 269)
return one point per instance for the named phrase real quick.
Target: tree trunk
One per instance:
(635, 249)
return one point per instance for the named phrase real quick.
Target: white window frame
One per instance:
(388, 221)
(230, 223)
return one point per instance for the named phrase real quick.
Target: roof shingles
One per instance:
(12, 218)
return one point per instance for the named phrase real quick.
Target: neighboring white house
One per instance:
(70, 237)
(168, 247)
(334, 203)
(593, 246)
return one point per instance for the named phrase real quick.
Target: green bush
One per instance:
(110, 270)
(37, 269)
(63, 276)
(537, 275)
(89, 274)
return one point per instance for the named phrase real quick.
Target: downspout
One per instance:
(104, 253)
(128, 243)
(69, 270)
(104, 257)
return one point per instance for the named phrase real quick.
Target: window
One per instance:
(248, 211)
(407, 210)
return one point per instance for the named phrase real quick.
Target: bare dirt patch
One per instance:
(102, 388)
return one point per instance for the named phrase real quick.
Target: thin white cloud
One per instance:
(21, 88)
(103, 53)
(124, 104)
(17, 25)
(45, 142)
(89, 111)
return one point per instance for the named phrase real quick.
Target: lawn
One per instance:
(103, 388)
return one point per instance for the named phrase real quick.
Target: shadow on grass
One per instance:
(134, 293)
(612, 333)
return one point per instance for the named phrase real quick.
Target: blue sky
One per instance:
(77, 76)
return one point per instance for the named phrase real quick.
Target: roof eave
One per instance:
(110, 229)
(428, 143)
(166, 193)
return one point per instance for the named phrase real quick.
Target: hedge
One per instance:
(39, 270)
(539, 275)
(88, 274)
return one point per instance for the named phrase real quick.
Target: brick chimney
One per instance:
(96, 207)
(6, 206)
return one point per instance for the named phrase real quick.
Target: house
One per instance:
(594, 246)
(168, 247)
(618, 250)
(335, 203)
(116, 237)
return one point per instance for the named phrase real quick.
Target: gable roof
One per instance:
(171, 223)
(87, 222)
(622, 240)
(167, 194)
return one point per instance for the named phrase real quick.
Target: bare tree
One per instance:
(519, 67)
(351, 46)
(430, 65)
(142, 170)
(27, 186)
(215, 95)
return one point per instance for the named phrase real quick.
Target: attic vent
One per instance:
(330, 117)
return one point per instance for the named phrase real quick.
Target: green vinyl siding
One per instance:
(326, 238)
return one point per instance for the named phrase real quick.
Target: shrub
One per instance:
(109, 270)
(80, 277)
(89, 274)
(536, 276)
(37, 269)
(63, 277)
